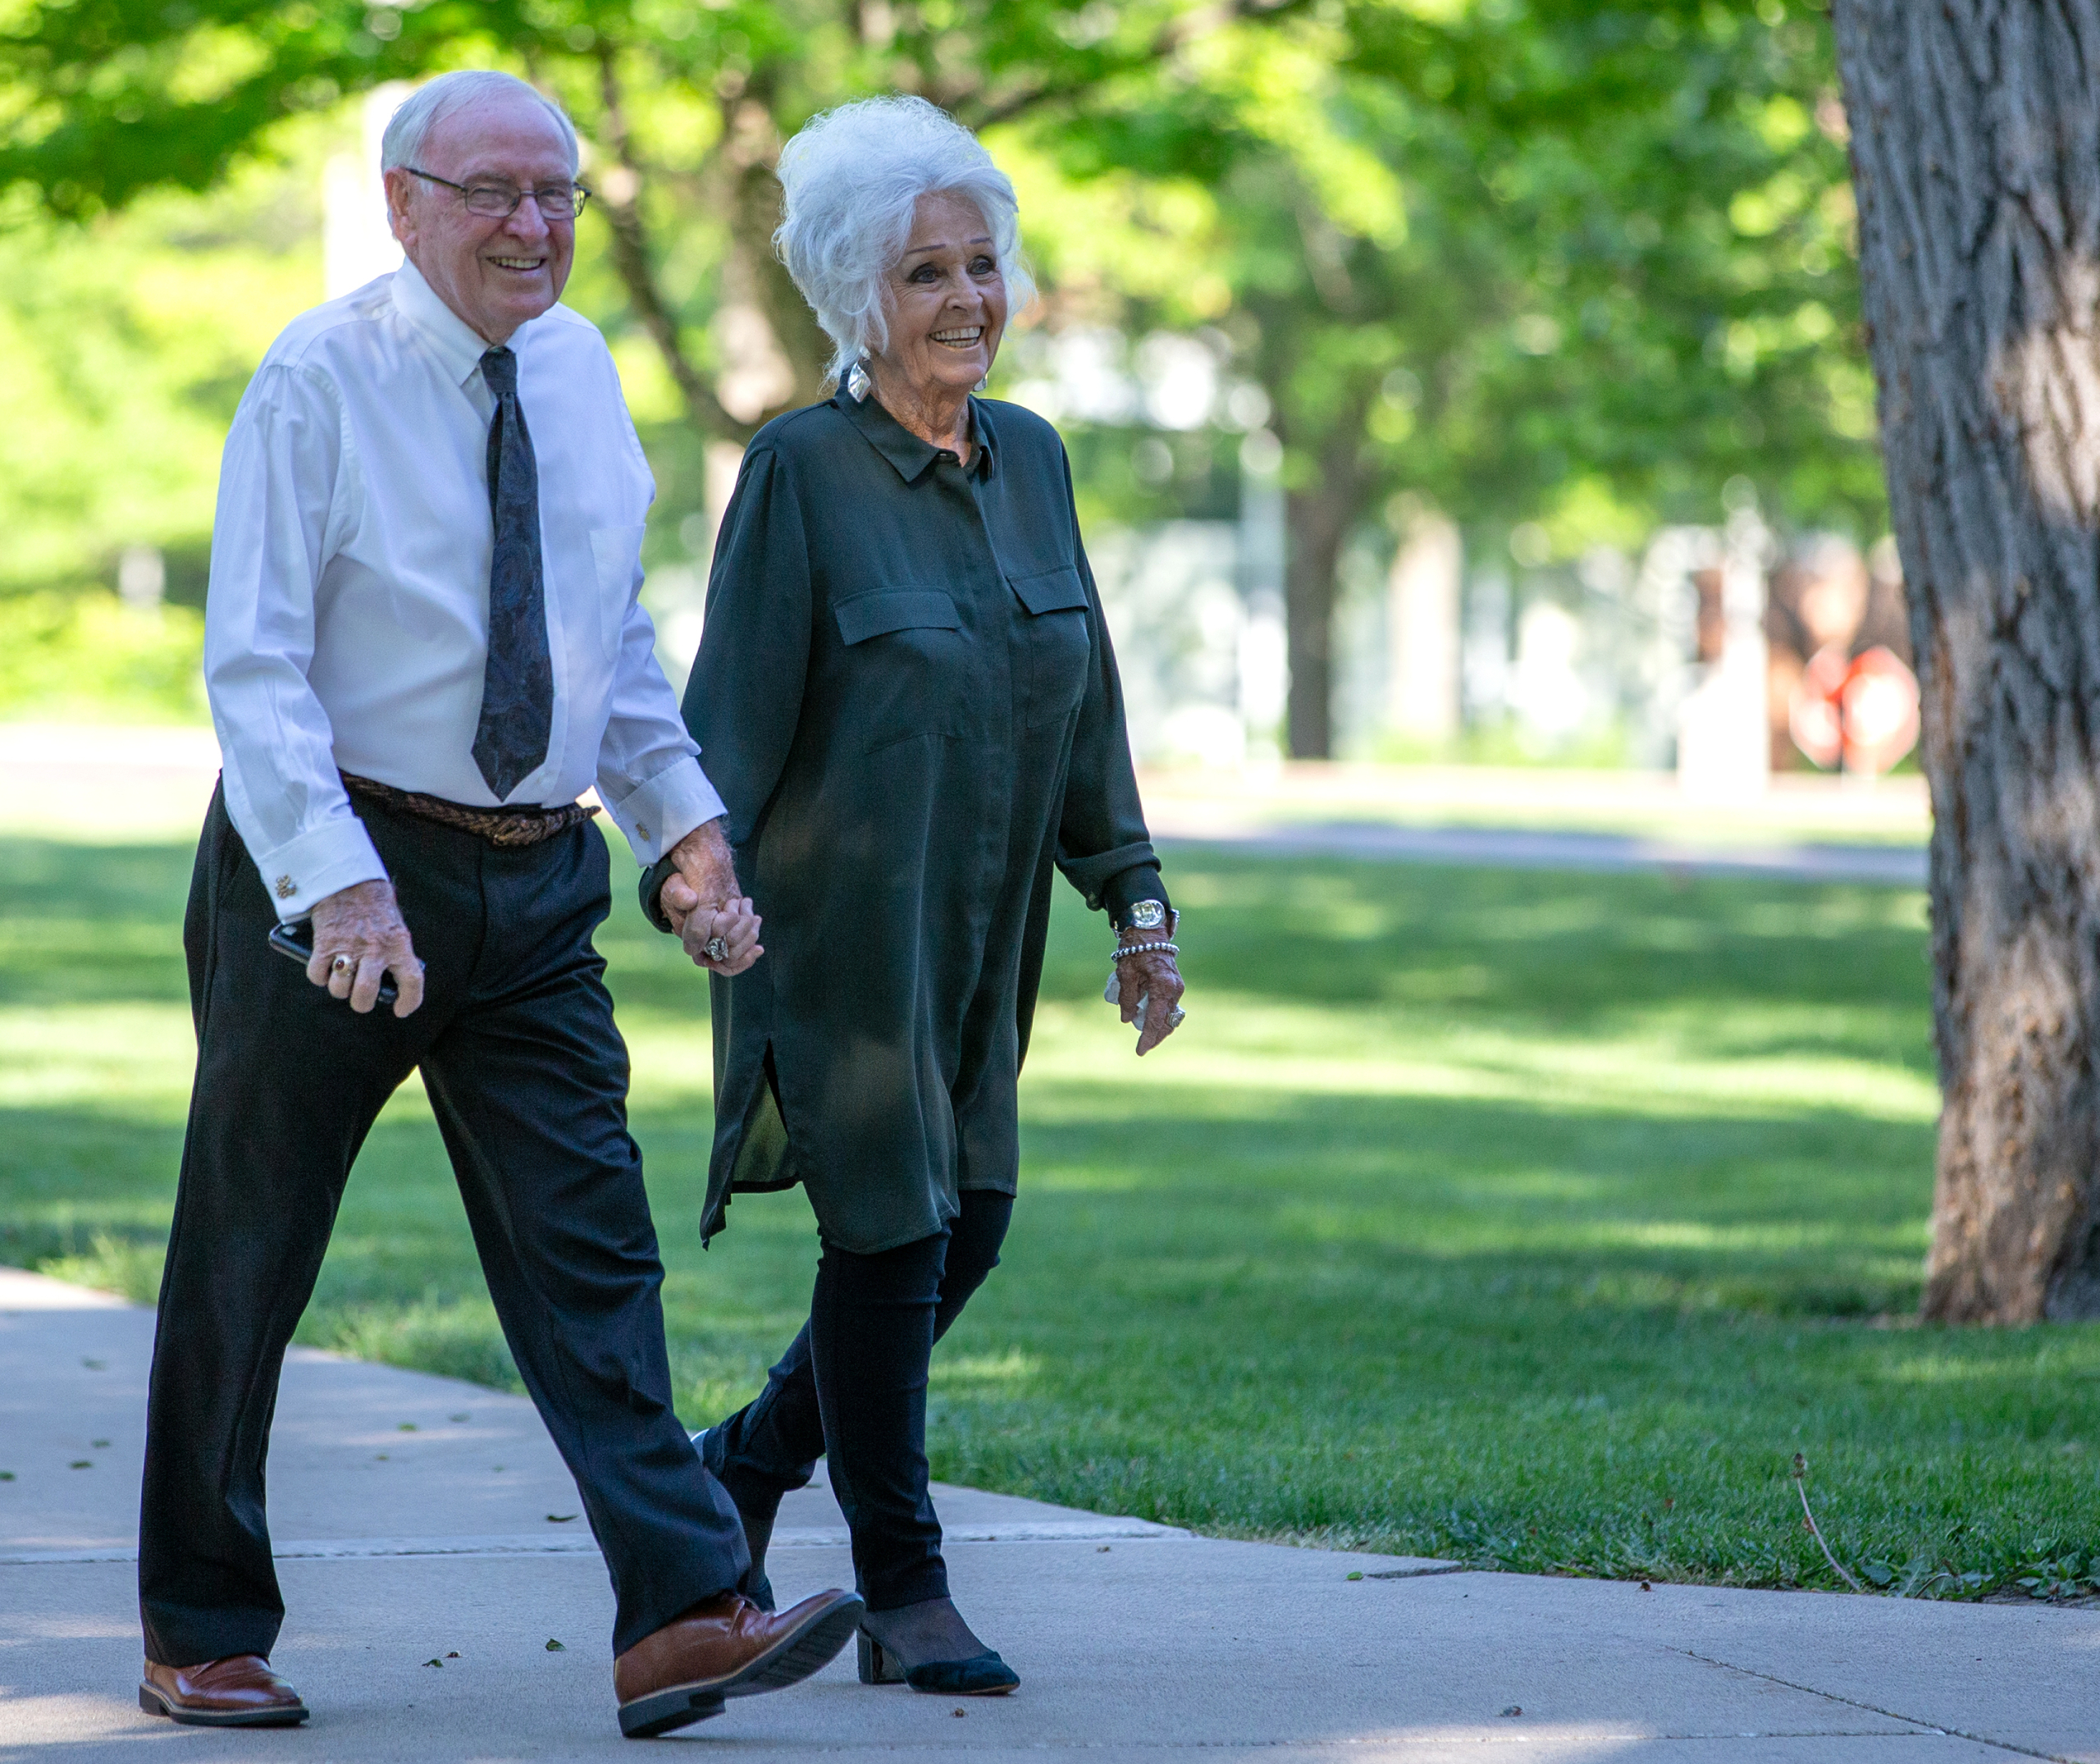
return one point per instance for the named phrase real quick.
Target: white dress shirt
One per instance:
(347, 625)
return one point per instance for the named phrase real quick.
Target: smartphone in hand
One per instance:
(296, 941)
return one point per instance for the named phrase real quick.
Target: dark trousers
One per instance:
(853, 1386)
(528, 1077)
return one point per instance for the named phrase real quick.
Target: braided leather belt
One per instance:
(498, 826)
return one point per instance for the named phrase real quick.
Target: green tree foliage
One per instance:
(1563, 261)
(1560, 261)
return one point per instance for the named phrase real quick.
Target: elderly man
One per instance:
(422, 642)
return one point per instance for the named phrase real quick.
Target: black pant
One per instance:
(528, 1077)
(854, 1382)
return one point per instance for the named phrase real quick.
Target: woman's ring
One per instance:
(1177, 1017)
(717, 950)
(340, 965)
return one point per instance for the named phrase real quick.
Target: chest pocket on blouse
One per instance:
(1057, 642)
(904, 658)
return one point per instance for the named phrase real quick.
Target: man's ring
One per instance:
(1177, 1017)
(340, 965)
(717, 950)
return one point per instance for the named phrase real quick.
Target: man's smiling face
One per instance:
(495, 274)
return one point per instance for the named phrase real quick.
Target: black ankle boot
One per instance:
(984, 1675)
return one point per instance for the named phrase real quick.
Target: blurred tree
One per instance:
(1557, 259)
(687, 107)
(1521, 257)
(1980, 228)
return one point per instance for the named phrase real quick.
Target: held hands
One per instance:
(358, 938)
(1155, 979)
(701, 902)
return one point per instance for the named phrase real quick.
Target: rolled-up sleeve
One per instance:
(279, 505)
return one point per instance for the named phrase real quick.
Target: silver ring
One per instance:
(341, 965)
(717, 950)
(1177, 1017)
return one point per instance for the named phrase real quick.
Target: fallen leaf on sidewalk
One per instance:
(434, 1663)
(554, 1647)
(559, 1519)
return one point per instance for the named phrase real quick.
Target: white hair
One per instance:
(852, 177)
(446, 95)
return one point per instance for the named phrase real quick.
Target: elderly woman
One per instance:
(906, 698)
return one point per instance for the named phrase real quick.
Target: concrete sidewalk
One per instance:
(431, 1554)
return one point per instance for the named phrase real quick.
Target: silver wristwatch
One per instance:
(1145, 916)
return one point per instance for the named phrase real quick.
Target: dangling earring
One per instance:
(982, 384)
(858, 385)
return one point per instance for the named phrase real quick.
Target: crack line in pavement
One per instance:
(1875, 1708)
(809, 1537)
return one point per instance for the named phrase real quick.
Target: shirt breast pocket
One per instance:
(1058, 644)
(905, 652)
(615, 556)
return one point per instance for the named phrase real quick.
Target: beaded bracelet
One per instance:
(1161, 947)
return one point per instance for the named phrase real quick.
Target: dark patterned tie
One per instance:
(517, 687)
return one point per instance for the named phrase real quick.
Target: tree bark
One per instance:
(1975, 143)
(1317, 519)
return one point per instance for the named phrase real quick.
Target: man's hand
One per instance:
(701, 901)
(358, 938)
(1153, 978)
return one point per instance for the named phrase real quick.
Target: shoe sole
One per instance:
(795, 1656)
(155, 1704)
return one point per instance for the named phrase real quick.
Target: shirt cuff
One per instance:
(655, 816)
(302, 872)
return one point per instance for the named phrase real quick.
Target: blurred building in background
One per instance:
(1693, 652)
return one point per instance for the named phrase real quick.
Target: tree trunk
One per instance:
(1974, 125)
(1316, 522)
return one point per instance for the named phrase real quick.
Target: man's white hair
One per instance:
(449, 93)
(852, 177)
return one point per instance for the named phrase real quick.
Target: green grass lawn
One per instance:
(1535, 1220)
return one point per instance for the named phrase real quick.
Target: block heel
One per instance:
(876, 1666)
(984, 1675)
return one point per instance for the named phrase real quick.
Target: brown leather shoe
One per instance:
(239, 1691)
(727, 1646)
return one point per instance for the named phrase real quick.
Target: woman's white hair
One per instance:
(852, 177)
(433, 101)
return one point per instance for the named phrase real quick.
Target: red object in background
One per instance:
(1860, 709)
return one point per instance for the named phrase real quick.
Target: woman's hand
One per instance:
(732, 928)
(718, 925)
(1155, 979)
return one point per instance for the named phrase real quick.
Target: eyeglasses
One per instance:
(499, 202)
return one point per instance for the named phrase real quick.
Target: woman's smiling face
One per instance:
(945, 299)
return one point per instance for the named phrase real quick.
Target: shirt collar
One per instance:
(907, 452)
(458, 345)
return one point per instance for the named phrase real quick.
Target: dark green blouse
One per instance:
(905, 695)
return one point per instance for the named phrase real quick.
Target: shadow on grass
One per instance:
(1586, 1336)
